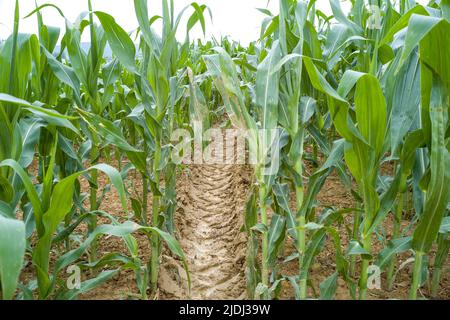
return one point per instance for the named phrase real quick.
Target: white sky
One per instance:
(236, 18)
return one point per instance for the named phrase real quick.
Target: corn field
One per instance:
(113, 185)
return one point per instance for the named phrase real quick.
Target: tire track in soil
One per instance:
(211, 201)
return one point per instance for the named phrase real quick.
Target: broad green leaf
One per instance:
(267, 89)
(31, 191)
(6, 210)
(60, 205)
(120, 230)
(419, 26)
(65, 74)
(348, 82)
(12, 251)
(276, 236)
(370, 107)
(106, 129)
(445, 226)
(141, 10)
(90, 284)
(355, 248)
(338, 106)
(438, 193)
(118, 39)
(402, 23)
(6, 190)
(29, 129)
(35, 107)
(328, 287)
(394, 247)
(78, 58)
(38, 9)
(116, 180)
(405, 102)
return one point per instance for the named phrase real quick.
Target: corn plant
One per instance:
(349, 93)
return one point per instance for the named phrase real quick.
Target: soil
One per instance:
(335, 194)
(208, 222)
(211, 200)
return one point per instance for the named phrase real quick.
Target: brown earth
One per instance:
(211, 202)
(208, 220)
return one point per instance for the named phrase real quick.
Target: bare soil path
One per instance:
(211, 201)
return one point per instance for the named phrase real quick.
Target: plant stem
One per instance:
(356, 222)
(364, 269)
(265, 239)
(416, 275)
(155, 221)
(301, 238)
(366, 235)
(395, 235)
(118, 158)
(144, 200)
(437, 272)
(316, 154)
(439, 260)
(402, 6)
(301, 233)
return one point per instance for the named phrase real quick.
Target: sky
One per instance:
(238, 19)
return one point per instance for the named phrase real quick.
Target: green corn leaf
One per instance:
(197, 16)
(116, 180)
(348, 82)
(281, 192)
(120, 230)
(38, 9)
(29, 129)
(342, 18)
(118, 39)
(111, 133)
(35, 107)
(65, 74)
(141, 10)
(355, 248)
(445, 226)
(267, 88)
(405, 106)
(60, 205)
(276, 236)
(31, 191)
(371, 111)
(6, 190)
(12, 251)
(402, 23)
(6, 210)
(393, 248)
(419, 26)
(90, 284)
(328, 287)
(438, 193)
(78, 58)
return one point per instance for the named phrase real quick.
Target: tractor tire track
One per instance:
(211, 201)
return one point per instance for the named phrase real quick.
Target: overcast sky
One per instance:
(236, 18)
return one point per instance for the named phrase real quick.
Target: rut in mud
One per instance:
(211, 201)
